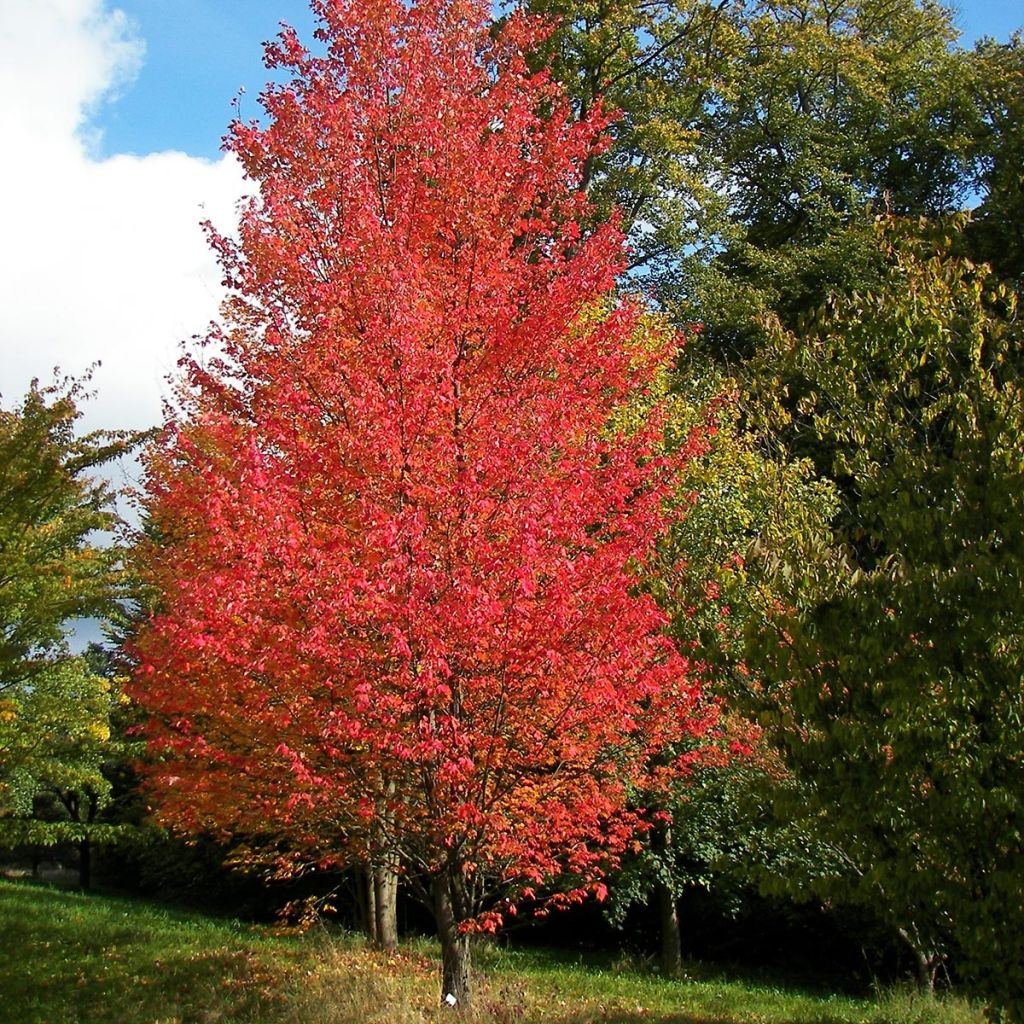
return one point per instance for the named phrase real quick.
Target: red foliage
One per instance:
(398, 539)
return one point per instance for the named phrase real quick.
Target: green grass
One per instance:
(69, 958)
(574, 993)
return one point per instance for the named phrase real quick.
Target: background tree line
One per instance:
(794, 176)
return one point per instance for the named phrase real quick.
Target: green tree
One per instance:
(51, 508)
(997, 233)
(734, 493)
(661, 65)
(60, 745)
(756, 134)
(55, 709)
(758, 141)
(897, 653)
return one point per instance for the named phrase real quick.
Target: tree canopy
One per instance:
(54, 569)
(897, 651)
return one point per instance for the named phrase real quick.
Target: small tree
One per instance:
(731, 497)
(401, 527)
(54, 711)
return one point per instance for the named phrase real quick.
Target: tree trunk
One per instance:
(925, 973)
(385, 883)
(383, 876)
(370, 906)
(668, 911)
(456, 987)
(671, 939)
(362, 901)
(84, 863)
(924, 963)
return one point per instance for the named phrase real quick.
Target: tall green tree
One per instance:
(52, 506)
(55, 710)
(759, 140)
(997, 234)
(756, 134)
(897, 654)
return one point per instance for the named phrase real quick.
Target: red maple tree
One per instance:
(399, 533)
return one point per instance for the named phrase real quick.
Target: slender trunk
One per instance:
(926, 976)
(385, 883)
(668, 911)
(382, 877)
(84, 863)
(671, 939)
(370, 908)
(456, 987)
(924, 963)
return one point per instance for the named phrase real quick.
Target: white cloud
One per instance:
(101, 259)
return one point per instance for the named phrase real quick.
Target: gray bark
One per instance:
(671, 938)
(370, 906)
(385, 885)
(455, 951)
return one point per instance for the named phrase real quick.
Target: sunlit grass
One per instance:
(583, 992)
(76, 959)
(72, 958)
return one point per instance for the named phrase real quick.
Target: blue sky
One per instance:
(989, 17)
(996, 18)
(199, 52)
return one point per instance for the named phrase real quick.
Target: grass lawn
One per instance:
(70, 958)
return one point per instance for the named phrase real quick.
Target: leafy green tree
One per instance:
(55, 709)
(997, 233)
(661, 65)
(51, 509)
(732, 494)
(897, 653)
(758, 141)
(756, 134)
(61, 746)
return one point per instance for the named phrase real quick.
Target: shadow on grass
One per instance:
(641, 1017)
(546, 987)
(638, 968)
(76, 959)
